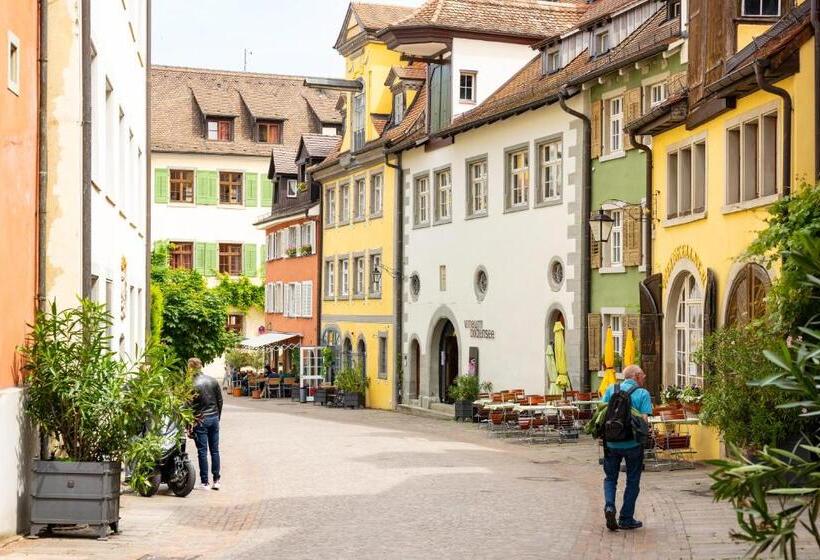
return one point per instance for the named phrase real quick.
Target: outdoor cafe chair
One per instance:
(272, 386)
(288, 386)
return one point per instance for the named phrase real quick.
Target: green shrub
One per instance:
(465, 388)
(351, 380)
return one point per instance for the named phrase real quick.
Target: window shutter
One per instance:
(297, 297)
(199, 257)
(596, 118)
(632, 235)
(280, 297)
(312, 236)
(710, 304)
(633, 323)
(307, 299)
(594, 341)
(249, 259)
(206, 187)
(286, 306)
(267, 192)
(161, 186)
(633, 111)
(211, 259)
(251, 181)
(262, 260)
(267, 297)
(594, 253)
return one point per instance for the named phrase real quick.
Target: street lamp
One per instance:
(600, 223)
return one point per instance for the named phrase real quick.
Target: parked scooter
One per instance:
(174, 468)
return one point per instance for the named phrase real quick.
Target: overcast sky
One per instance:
(284, 36)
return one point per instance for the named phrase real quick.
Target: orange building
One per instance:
(18, 233)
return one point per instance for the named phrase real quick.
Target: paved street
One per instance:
(306, 482)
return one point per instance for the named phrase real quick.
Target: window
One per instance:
(466, 87)
(376, 194)
(292, 188)
(358, 275)
(344, 203)
(442, 278)
(398, 106)
(686, 181)
(277, 244)
(654, 94)
(307, 245)
(294, 298)
(613, 137)
(549, 171)
(422, 196)
(481, 283)
(616, 238)
(14, 64)
(182, 186)
(358, 121)
(294, 240)
(444, 197)
(236, 324)
(382, 356)
(182, 255)
(230, 258)
(616, 323)
(344, 277)
(330, 206)
(269, 132)
(758, 8)
(477, 188)
(375, 274)
(601, 42)
(747, 297)
(688, 333)
(220, 129)
(330, 278)
(752, 159)
(230, 187)
(552, 61)
(360, 199)
(673, 10)
(415, 286)
(518, 179)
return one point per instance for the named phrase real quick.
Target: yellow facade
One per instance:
(369, 318)
(716, 238)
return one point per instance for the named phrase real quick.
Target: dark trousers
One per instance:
(206, 436)
(612, 467)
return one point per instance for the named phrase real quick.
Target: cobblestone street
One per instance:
(302, 481)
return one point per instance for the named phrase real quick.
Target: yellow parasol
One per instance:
(552, 373)
(629, 349)
(609, 362)
(561, 358)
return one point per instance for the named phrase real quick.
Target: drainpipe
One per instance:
(586, 210)
(85, 17)
(320, 241)
(815, 21)
(760, 66)
(147, 224)
(648, 211)
(42, 163)
(398, 272)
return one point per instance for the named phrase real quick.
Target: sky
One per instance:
(293, 37)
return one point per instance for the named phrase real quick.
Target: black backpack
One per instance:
(618, 420)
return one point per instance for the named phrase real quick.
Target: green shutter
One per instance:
(161, 186)
(211, 259)
(206, 187)
(251, 182)
(199, 257)
(435, 97)
(263, 252)
(249, 260)
(267, 192)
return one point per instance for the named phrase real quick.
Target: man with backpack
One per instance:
(628, 406)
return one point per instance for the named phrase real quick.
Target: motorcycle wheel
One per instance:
(184, 487)
(154, 481)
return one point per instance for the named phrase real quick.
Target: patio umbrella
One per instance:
(552, 373)
(609, 362)
(561, 358)
(629, 349)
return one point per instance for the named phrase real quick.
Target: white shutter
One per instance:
(286, 308)
(267, 298)
(280, 297)
(307, 299)
(297, 300)
(313, 236)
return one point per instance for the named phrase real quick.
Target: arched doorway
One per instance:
(555, 317)
(447, 358)
(747, 298)
(415, 369)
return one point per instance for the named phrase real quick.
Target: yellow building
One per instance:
(722, 154)
(358, 311)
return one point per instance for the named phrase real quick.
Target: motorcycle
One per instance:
(174, 467)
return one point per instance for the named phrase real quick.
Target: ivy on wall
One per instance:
(240, 293)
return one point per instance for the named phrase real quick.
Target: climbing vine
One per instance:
(240, 293)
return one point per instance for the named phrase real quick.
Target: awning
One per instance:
(267, 339)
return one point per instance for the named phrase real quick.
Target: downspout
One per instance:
(760, 66)
(42, 163)
(320, 241)
(148, 173)
(398, 273)
(586, 210)
(85, 17)
(648, 204)
(815, 21)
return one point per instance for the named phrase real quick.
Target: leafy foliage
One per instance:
(239, 358)
(351, 380)
(240, 293)
(465, 388)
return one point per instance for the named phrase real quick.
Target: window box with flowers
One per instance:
(306, 250)
(292, 252)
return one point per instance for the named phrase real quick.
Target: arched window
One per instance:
(361, 357)
(688, 332)
(347, 353)
(747, 298)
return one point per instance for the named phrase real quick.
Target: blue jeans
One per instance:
(612, 467)
(206, 436)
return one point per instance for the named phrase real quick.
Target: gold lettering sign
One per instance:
(683, 252)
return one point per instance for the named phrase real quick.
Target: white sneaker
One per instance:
(215, 485)
(204, 486)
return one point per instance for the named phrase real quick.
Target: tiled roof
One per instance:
(180, 97)
(284, 160)
(527, 18)
(320, 145)
(374, 17)
(600, 9)
(323, 104)
(380, 122)
(415, 71)
(413, 126)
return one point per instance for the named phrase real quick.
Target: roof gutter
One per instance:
(648, 200)
(586, 210)
(760, 67)
(398, 275)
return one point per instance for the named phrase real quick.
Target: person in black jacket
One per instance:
(207, 407)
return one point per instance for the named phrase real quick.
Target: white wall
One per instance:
(495, 63)
(515, 248)
(16, 447)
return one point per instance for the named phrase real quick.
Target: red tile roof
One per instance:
(601, 9)
(373, 17)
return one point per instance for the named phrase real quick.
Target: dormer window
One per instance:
(673, 10)
(466, 87)
(358, 121)
(219, 129)
(601, 42)
(398, 106)
(552, 61)
(269, 132)
(761, 8)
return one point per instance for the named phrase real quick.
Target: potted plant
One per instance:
(353, 386)
(97, 411)
(691, 397)
(485, 387)
(671, 395)
(307, 250)
(464, 392)
(292, 252)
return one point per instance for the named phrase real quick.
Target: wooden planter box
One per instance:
(69, 493)
(353, 400)
(464, 410)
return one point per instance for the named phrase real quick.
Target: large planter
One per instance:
(464, 410)
(353, 400)
(69, 493)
